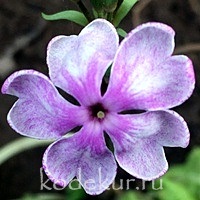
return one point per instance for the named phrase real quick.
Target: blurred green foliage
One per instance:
(182, 182)
(75, 194)
(42, 197)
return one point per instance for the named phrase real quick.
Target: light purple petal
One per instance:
(144, 159)
(145, 76)
(77, 63)
(175, 132)
(138, 140)
(40, 112)
(167, 127)
(83, 155)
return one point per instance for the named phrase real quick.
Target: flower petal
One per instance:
(175, 132)
(83, 155)
(138, 140)
(77, 64)
(167, 127)
(144, 159)
(149, 77)
(40, 112)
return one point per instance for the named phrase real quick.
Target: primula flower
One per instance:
(144, 76)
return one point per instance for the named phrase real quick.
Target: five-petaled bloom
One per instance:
(144, 76)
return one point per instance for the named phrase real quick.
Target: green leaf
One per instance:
(185, 176)
(95, 13)
(19, 145)
(174, 190)
(128, 195)
(76, 192)
(71, 15)
(42, 196)
(121, 32)
(123, 10)
(189, 172)
(193, 160)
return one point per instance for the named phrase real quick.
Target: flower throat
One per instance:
(98, 111)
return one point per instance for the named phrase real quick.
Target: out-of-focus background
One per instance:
(24, 36)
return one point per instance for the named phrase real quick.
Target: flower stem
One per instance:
(110, 17)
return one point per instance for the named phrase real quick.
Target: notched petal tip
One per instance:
(163, 33)
(55, 43)
(7, 85)
(137, 58)
(95, 48)
(40, 112)
(104, 26)
(8, 81)
(182, 133)
(154, 25)
(104, 36)
(190, 74)
(57, 181)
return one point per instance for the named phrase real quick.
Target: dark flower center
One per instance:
(98, 111)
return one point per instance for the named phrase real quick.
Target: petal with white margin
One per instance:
(77, 64)
(145, 75)
(40, 112)
(142, 158)
(139, 140)
(83, 155)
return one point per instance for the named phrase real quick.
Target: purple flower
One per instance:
(144, 76)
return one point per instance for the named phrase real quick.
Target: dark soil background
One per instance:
(24, 36)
